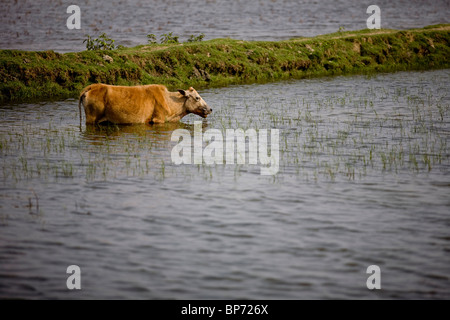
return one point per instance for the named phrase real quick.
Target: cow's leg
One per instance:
(158, 117)
(91, 116)
(157, 120)
(91, 120)
(95, 113)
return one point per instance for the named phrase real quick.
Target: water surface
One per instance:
(41, 25)
(364, 180)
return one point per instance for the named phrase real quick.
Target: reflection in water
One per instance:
(158, 132)
(123, 150)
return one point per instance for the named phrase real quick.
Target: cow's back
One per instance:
(121, 104)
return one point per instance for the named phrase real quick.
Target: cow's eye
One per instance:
(197, 98)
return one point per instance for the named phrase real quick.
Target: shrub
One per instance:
(103, 42)
(151, 38)
(169, 38)
(196, 39)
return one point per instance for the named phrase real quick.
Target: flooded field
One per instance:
(363, 180)
(41, 25)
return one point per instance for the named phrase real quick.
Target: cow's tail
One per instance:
(81, 101)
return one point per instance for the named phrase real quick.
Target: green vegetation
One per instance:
(169, 38)
(199, 38)
(42, 75)
(100, 43)
(151, 39)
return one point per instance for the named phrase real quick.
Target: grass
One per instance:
(221, 62)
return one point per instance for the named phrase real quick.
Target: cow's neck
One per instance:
(177, 105)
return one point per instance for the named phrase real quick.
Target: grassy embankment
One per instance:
(43, 75)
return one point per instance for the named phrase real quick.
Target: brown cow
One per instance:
(139, 104)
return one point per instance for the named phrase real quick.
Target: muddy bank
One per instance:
(28, 75)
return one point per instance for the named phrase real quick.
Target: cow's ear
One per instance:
(183, 93)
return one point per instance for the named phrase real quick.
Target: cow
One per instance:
(139, 104)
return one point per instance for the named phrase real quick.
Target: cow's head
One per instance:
(195, 103)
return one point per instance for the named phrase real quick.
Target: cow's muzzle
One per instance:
(206, 111)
